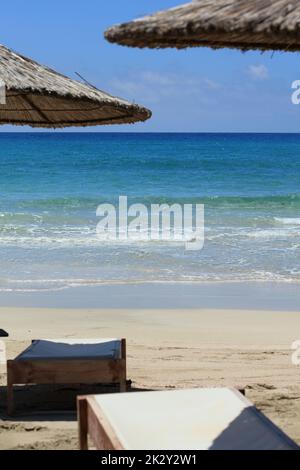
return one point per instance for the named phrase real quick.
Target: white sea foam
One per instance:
(288, 220)
(51, 285)
(272, 233)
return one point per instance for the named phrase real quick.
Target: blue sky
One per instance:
(196, 90)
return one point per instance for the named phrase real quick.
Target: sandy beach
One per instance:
(166, 349)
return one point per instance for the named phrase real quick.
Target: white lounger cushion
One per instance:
(213, 418)
(61, 349)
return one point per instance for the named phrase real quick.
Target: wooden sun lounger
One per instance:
(99, 361)
(197, 419)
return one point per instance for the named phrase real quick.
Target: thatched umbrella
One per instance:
(242, 24)
(40, 97)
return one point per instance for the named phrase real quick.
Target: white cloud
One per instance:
(135, 90)
(258, 72)
(158, 78)
(153, 87)
(211, 84)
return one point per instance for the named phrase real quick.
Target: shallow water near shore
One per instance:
(209, 295)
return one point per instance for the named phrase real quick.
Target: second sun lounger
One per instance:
(61, 361)
(197, 419)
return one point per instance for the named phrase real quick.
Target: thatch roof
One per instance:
(40, 97)
(242, 24)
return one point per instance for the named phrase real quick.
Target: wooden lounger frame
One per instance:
(92, 422)
(65, 371)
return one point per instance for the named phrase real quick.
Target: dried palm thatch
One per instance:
(242, 24)
(39, 97)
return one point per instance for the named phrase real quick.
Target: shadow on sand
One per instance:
(51, 402)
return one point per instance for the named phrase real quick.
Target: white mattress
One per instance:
(62, 349)
(212, 418)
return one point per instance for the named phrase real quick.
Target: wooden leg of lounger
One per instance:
(10, 389)
(123, 386)
(10, 399)
(82, 423)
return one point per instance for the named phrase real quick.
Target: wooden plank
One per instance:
(123, 372)
(67, 371)
(99, 429)
(10, 388)
(82, 423)
(123, 348)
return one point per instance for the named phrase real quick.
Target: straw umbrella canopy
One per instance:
(40, 97)
(241, 24)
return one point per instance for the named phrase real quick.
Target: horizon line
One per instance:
(147, 132)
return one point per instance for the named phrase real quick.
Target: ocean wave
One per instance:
(274, 233)
(288, 220)
(73, 204)
(52, 285)
(48, 242)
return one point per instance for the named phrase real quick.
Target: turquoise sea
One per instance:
(52, 183)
